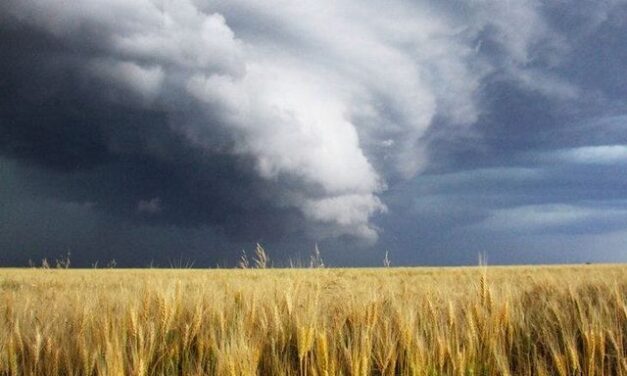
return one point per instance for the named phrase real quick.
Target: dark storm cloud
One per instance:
(430, 125)
(541, 177)
(117, 153)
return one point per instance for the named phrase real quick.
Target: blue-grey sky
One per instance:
(161, 130)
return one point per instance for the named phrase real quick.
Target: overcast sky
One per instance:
(160, 131)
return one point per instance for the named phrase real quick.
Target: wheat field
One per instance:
(562, 320)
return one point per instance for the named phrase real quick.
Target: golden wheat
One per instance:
(394, 321)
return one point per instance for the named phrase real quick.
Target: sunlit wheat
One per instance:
(393, 321)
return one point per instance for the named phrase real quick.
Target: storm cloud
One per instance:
(306, 121)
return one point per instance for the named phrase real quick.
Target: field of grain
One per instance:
(566, 320)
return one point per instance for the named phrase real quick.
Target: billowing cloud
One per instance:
(302, 112)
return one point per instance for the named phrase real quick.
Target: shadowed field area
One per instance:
(560, 320)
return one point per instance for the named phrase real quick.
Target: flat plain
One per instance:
(527, 320)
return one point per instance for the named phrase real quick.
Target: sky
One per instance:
(175, 132)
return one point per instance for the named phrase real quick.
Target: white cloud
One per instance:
(604, 154)
(144, 81)
(545, 84)
(349, 212)
(304, 88)
(546, 216)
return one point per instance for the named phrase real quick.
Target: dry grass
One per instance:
(456, 321)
